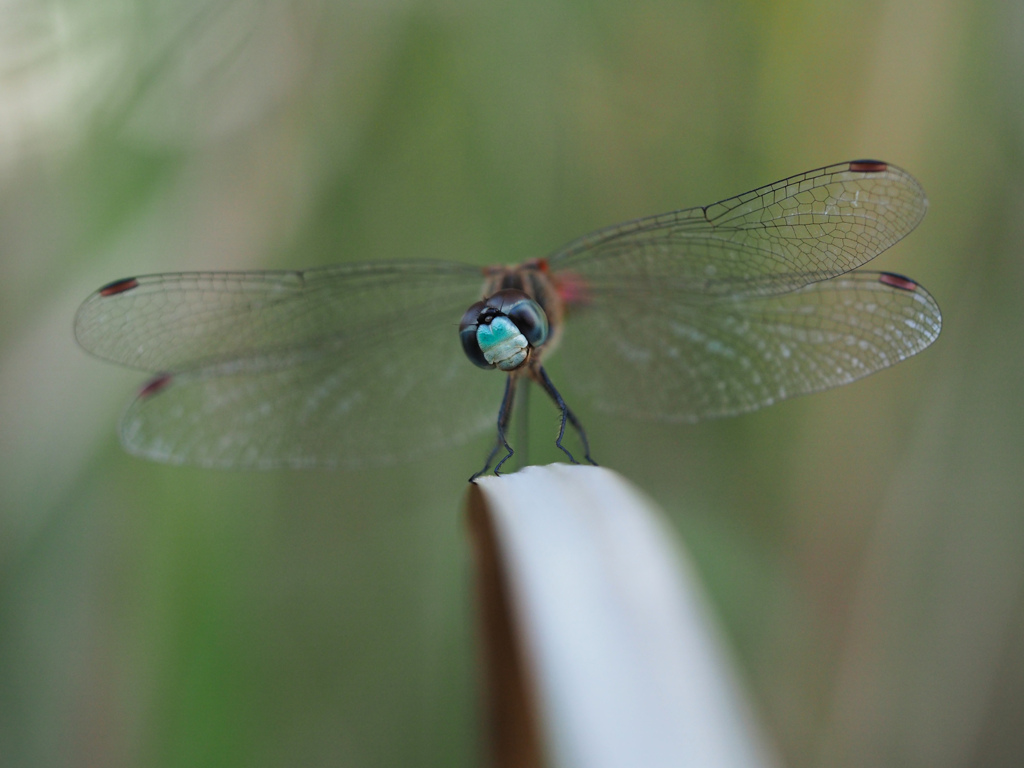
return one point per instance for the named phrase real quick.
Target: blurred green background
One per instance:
(864, 547)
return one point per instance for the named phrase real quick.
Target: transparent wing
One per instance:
(675, 360)
(797, 231)
(188, 320)
(347, 365)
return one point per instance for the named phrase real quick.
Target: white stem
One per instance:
(607, 630)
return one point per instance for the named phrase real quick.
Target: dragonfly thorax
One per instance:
(503, 330)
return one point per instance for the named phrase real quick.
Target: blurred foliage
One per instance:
(865, 546)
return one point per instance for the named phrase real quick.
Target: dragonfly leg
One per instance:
(504, 414)
(582, 433)
(567, 415)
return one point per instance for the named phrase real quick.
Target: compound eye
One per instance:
(467, 335)
(530, 319)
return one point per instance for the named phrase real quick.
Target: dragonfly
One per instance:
(705, 312)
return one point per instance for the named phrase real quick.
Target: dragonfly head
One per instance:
(502, 330)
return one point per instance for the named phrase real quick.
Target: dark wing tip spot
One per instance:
(868, 166)
(156, 384)
(118, 286)
(897, 281)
